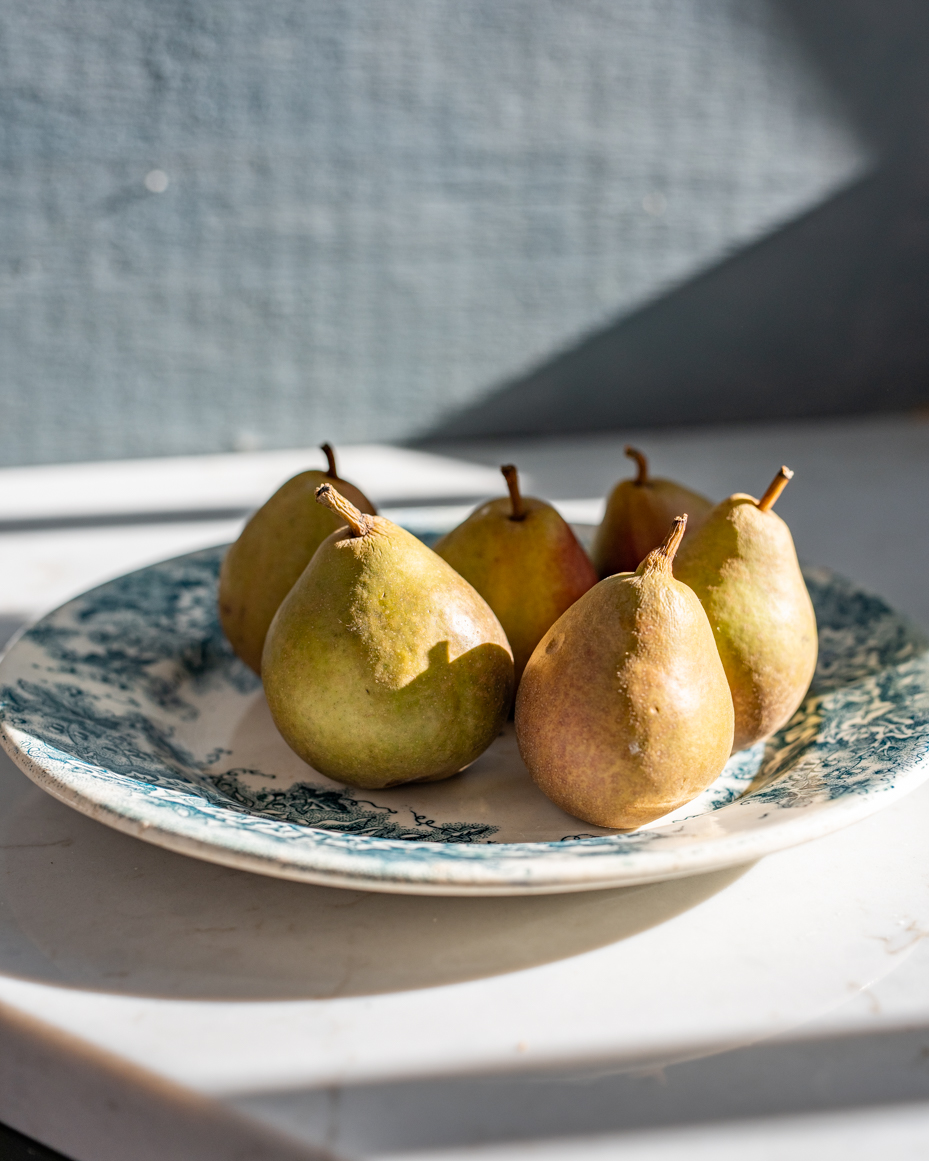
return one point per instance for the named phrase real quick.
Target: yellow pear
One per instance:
(382, 665)
(522, 557)
(637, 516)
(273, 549)
(743, 566)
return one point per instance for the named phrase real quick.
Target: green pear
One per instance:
(637, 516)
(624, 713)
(273, 549)
(522, 557)
(382, 665)
(743, 566)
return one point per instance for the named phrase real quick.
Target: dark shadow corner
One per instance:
(827, 315)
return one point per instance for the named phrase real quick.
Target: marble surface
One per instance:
(316, 1012)
(157, 1007)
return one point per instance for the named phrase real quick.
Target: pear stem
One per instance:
(661, 558)
(511, 476)
(634, 454)
(777, 485)
(326, 449)
(359, 523)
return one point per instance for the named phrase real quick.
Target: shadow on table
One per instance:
(747, 1099)
(87, 906)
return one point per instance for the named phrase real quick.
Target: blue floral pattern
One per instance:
(97, 699)
(338, 809)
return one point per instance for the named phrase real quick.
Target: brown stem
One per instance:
(326, 449)
(777, 485)
(511, 476)
(634, 454)
(359, 523)
(662, 557)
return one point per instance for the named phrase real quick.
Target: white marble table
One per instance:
(156, 1007)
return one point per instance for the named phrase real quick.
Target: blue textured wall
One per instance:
(375, 213)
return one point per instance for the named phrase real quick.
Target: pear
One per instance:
(382, 665)
(743, 566)
(624, 713)
(522, 557)
(273, 549)
(637, 516)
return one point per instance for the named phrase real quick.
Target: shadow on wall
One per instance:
(828, 315)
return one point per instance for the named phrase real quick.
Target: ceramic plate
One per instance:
(128, 705)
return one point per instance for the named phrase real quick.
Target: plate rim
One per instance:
(705, 858)
(493, 871)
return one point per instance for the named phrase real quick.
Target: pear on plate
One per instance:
(382, 665)
(637, 516)
(624, 712)
(522, 557)
(273, 549)
(743, 566)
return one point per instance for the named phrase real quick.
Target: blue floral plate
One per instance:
(128, 705)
